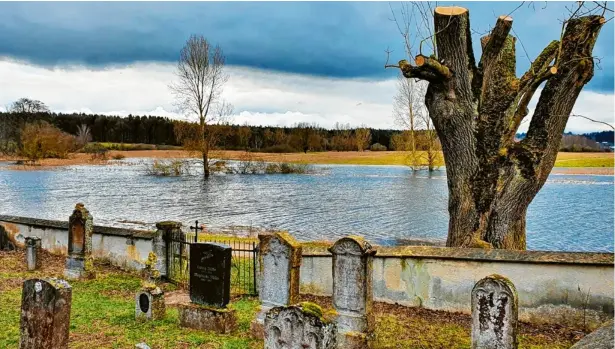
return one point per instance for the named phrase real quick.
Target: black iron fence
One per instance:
(244, 262)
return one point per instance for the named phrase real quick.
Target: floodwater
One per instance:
(386, 204)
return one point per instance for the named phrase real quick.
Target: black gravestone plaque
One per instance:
(210, 274)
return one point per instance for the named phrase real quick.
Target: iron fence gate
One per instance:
(244, 262)
(178, 257)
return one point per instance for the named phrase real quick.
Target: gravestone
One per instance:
(80, 229)
(210, 290)
(494, 314)
(352, 290)
(150, 304)
(45, 314)
(210, 274)
(602, 338)
(280, 261)
(296, 326)
(33, 246)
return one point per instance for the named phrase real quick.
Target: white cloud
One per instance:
(260, 97)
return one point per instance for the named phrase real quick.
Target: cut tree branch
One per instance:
(434, 66)
(561, 91)
(493, 43)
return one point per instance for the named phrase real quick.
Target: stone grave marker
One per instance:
(298, 326)
(45, 314)
(33, 246)
(80, 229)
(280, 261)
(150, 304)
(210, 274)
(210, 290)
(494, 314)
(352, 290)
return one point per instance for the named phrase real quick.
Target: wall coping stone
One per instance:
(98, 229)
(483, 255)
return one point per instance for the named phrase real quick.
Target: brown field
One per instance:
(574, 163)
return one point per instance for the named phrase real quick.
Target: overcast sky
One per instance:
(288, 61)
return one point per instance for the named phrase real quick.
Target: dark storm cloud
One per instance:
(332, 39)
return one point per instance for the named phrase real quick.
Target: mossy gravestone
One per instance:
(45, 314)
(352, 290)
(80, 229)
(280, 261)
(298, 326)
(494, 314)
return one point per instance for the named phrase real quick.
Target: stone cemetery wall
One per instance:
(553, 287)
(122, 247)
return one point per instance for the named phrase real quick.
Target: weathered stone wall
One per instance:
(553, 287)
(122, 247)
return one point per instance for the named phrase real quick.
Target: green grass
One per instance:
(585, 160)
(102, 316)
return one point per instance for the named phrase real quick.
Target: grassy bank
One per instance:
(570, 160)
(102, 316)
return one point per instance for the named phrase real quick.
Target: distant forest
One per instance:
(161, 131)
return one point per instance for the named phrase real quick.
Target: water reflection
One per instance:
(383, 203)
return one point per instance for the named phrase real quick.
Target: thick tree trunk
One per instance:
(477, 109)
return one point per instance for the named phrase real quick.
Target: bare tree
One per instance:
(201, 78)
(83, 135)
(408, 105)
(477, 108)
(362, 137)
(28, 106)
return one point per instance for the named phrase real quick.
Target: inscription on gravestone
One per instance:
(352, 290)
(494, 314)
(210, 274)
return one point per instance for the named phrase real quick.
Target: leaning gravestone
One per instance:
(210, 289)
(352, 290)
(80, 229)
(298, 326)
(494, 314)
(45, 314)
(280, 261)
(33, 247)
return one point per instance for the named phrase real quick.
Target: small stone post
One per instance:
(45, 314)
(80, 228)
(352, 291)
(33, 246)
(163, 234)
(494, 314)
(150, 299)
(299, 326)
(280, 261)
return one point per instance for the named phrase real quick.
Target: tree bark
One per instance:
(476, 110)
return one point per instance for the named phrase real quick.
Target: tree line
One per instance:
(301, 137)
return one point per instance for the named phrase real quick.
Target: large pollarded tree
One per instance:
(477, 109)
